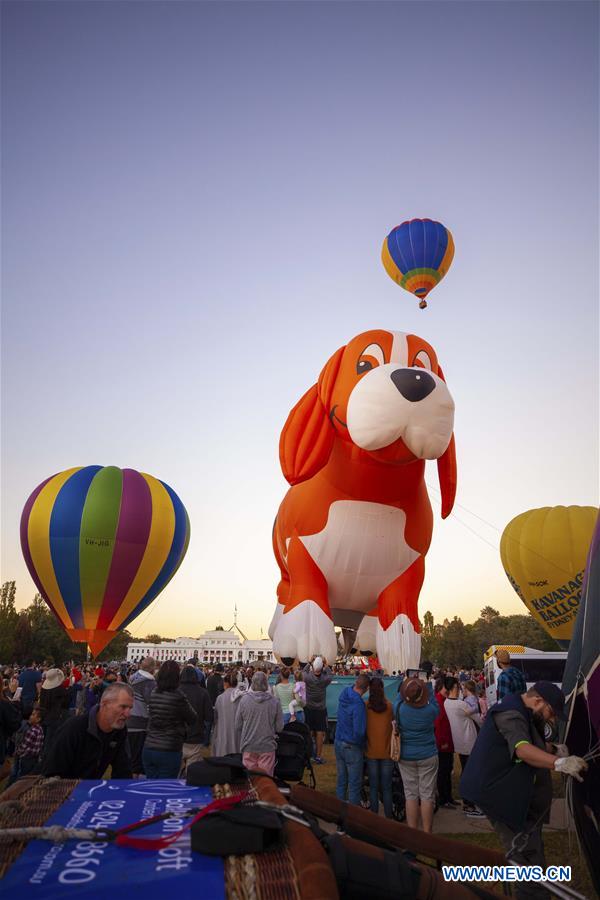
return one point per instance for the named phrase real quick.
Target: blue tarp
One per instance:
(341, 681)
(98, 871)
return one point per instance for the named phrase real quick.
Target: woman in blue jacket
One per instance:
(416, 711)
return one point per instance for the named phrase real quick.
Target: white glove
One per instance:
(561, 750)
(571, 765)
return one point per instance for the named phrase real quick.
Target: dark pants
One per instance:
(22, 765)
(161, 763)
(349, 761)
(464, 759)
(136, 745)
(380, 777)
(50, 731)
(532, 855)
(444, 776)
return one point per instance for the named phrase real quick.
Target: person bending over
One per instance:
(87, 745)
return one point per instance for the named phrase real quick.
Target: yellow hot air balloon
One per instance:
(543, 552)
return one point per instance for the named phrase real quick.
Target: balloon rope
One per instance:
(453, 515)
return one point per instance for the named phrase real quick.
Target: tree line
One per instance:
(454, 643)
(36, 633)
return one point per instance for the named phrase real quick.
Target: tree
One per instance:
(48, 639)
(8, 621)
(430, 638)
(219, 628)
(428, 625)
(457, 645)
(117, 649)
(23, 638)
(526, 630)
(488, 614)
(151, 639)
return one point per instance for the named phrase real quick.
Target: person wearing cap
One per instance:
(54, 704)
(317, 677)
(511, 680)
(416, 712)
(508, 772)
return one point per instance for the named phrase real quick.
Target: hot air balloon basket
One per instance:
(33, 801)
(30, 802)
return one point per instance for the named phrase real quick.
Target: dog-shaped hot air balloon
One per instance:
(351, 534)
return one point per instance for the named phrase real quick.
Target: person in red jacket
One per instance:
(445, 747)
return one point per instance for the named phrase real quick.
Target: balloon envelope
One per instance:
(417, 254)
(543, 552)
(100, 544)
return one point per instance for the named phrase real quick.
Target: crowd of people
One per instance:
(152, 721)
(172, 713)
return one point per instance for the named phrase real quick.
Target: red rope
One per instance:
(124, 840)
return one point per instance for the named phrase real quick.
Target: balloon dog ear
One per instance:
(447, 473)
(447, 476)
(308, 435)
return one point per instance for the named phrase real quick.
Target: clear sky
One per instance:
(194, 197)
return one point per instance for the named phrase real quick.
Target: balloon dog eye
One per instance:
(365, 364)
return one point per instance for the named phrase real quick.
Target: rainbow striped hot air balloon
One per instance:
(417, 255)
(100, 544)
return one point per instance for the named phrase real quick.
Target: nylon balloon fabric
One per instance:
(543, 553)
(101, 543)
(417, 254)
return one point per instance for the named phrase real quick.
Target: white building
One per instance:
(211, 647)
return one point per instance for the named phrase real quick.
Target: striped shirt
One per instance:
(32, 742)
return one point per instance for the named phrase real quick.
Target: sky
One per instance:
(194, 197)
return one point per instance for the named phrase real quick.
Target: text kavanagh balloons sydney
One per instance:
(543, 552)
(100, 544)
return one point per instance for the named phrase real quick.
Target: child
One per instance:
(298, 702)
(472, 700)
(29, 741)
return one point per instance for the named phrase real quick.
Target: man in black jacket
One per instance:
(214, 683)
(508, 774)
(214, 686)
(86, 745)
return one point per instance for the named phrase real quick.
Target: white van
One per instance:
(536, 665)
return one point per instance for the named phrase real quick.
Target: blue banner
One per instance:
(99, 871)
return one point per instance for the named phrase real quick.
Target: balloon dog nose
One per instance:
(413, 384)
